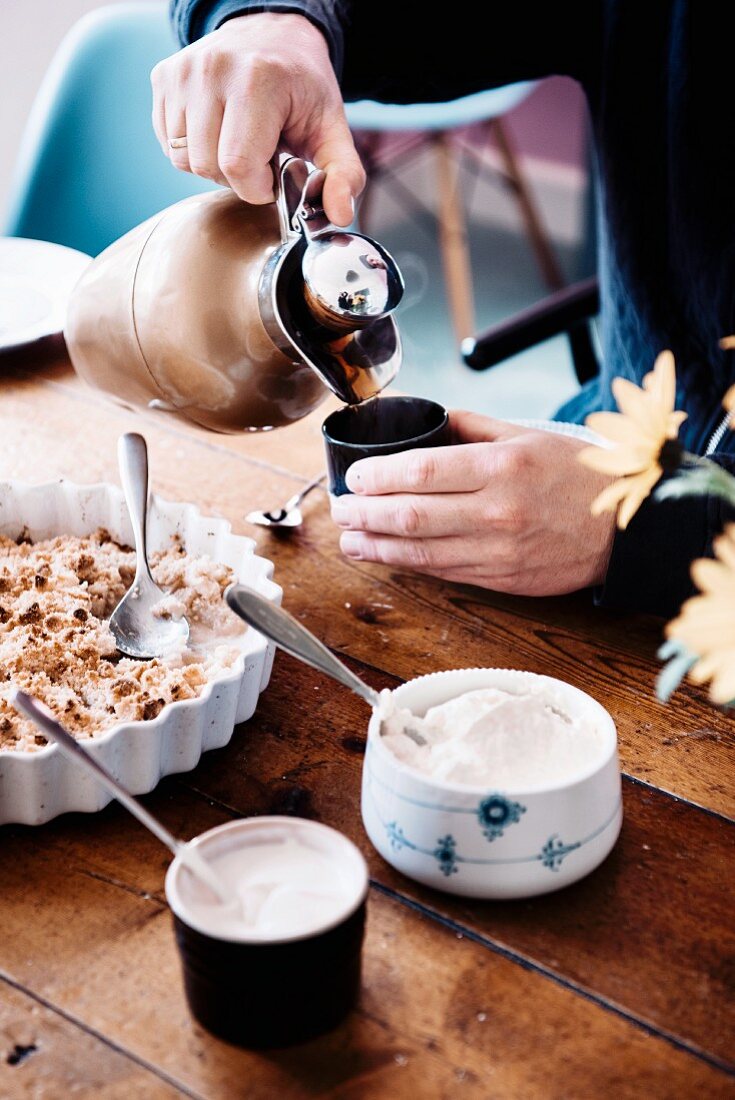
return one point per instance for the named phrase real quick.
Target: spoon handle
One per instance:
(298, 497)
(56, 732)
(132, 455)
(276, 624)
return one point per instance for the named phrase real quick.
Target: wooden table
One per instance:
(618, 986)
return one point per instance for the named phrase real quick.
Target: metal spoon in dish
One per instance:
(138, 632)
(275, 623)
(53, 730)
(289, 515)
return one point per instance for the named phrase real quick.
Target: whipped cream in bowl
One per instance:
(279, 961)
(515, 792)
(509, 738)
(287, 878)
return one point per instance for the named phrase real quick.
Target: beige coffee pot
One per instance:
(239, 317)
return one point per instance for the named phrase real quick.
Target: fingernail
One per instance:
(341, 512)
(353, 479)
(350, 543)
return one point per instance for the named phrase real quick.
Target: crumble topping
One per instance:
(56, 596)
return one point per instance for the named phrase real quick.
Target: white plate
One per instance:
(36, 280)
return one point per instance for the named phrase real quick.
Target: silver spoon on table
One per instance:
(53, 730)
(289, 515)
(138, 632)
(275, 623)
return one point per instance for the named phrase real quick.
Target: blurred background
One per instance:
(436, 204)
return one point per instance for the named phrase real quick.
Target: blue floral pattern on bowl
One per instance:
(445, 854)
(552, 854)
(554, 851)
(496, 812)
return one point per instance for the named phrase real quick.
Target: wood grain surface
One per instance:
(635, 932)
(46, 1054)
(405, 623)
(619, 985)
(439, 1009)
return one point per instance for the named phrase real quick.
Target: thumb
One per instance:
(337, 156)
(470, 427)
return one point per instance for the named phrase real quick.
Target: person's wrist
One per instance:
(607, 541)
(293, 24)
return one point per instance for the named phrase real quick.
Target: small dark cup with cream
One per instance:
(381, 426)
(280, 962)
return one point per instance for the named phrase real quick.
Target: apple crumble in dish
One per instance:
(56, 596)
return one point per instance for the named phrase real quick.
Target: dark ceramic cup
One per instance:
(260, 993)
(382, 426)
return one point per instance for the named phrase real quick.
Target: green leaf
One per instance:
(680, 660)
(704, 479)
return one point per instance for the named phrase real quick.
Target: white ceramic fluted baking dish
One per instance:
(38, 786)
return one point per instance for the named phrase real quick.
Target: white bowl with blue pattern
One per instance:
(484, 842)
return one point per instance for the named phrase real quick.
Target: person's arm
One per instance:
(223, 105)
(650, 560)
(408, 53)
(254, 74)
(192, 19)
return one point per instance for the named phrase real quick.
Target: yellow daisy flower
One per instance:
(706, 623)
(641, 434)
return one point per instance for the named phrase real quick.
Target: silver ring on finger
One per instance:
(178, 142)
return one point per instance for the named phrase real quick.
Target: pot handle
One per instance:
(310, 216)
(298, 190)
(290, 175)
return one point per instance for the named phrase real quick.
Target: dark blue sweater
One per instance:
(656, 77)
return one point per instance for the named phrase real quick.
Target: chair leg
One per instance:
(365, 207)
(368, 147)
(537, 236)
(453, 239)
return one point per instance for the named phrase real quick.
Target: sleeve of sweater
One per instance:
(649, 566)
(192, 19)
(410, 52)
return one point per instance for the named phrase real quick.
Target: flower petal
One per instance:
(722, 688)
(617, 460)
(615, 427)
(717, 578)
(697, 634)
(728, 401)
(704, 669)
(638, 490)
(724, 546)
(610, 497)
(638, 406)
(661, 382)
(706, 623)
(673, 422)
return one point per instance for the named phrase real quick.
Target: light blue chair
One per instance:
(388, 135)
(90, 166)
